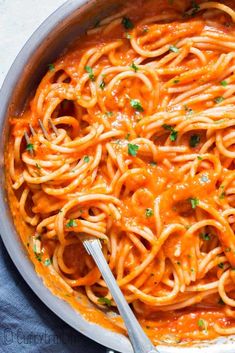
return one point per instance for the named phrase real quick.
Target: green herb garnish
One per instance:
(194, 202)
(86, 159)
(105, 301)
(71, 223)
(134, 67)
(202, 324)
(127, 23)
(109, 113)
(102, 85)
(205, 236)
(194, 140)
(145, 29)
(220, 301)
(218, 99)
(222, 195)
(224, 83)
(221, 265)
(148, 212)
(51, 67)
(195, 7)
(173, 134)
(38, 166)
(135, 103)
(30, 147)
(38, 256)
(132, 149)
(188, 110)
(47, 262)
(90, 72)
(128, 36)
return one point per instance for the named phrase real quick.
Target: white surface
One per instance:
(18, 20)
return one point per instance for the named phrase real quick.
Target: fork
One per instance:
(139, 340)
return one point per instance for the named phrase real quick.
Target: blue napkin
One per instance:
(27, 325)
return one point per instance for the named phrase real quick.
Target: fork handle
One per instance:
(138, 338)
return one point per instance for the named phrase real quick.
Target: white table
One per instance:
(18, 20)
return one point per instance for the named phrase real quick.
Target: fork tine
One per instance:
(32, 130)
(31, 151)
(53, 127)
(44, 130)
(89, 243)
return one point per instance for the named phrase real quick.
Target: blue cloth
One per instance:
(27, 325)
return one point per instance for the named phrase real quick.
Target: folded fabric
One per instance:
(27, 325)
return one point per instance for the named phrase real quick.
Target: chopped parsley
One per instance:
(135, 103)
(188, 110)
(199, 158)
(153, 164)
(51, 67)
(102, 85)
(173, 134)
(134, 67)
(148, 212)
(224, 83)
(38, 166)
(194, 140)
(132, 149)
(127, 137)
(86, 159)
(194, 202)
(127, 23)
(173, 48)
(221, 265)
(222, 195)
(176, 81)
(128, 36)
(220, 301)
(47, 262)
(109, 113)
(71, 223)
(30, 147)
(145, 29)
(38, 256)
(205, 236)
(195, 7)
(202, 324)
(90, 72)
(104, 300)
(218, 99)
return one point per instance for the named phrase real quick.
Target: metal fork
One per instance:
(139, 340)
(44, 131)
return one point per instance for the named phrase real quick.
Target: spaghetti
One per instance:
(143, 159)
